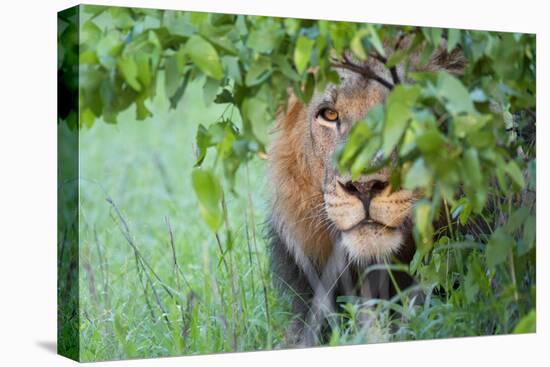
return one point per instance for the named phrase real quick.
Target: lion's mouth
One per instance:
(374, 225)
(371, 241)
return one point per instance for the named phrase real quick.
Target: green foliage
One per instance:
(398, 114)
(467, 142)
(527, 324)
(302, 53)
(209, 193)
(204, 55)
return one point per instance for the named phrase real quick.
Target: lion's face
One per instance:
(373, 222)
(314, 205)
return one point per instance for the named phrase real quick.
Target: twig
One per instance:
(222, 254)
(126, 234)
(231, 273)
(176, 265)
(140, 261)
(364, 70)
(178, 272)
(393, 69)
(144, 285)
(400, 39)
(104, 271)
(394, 75)
(159, 303)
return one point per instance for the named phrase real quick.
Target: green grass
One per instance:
(138, 174)
(155, 281)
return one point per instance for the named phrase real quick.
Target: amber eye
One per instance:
(328, 114)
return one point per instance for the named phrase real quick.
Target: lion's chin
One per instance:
(370, 242)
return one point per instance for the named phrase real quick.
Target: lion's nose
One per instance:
(366, 186)
(370, 188)
(365, 189)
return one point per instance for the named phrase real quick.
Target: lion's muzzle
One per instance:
(369, 214)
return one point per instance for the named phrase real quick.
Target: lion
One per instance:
(326, 229)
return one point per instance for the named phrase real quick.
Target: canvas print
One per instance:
(232, 183)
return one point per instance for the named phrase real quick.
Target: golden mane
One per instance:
(298, 203)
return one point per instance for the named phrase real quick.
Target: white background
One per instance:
(28, 181)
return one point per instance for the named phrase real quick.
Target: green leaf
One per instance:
(399, 105)
(144, 70)
(527, 324)
(532, 174)
(430, 141)
(88, 57)
(223, 43)
(209, 193)
(171, 76)
(291, 26)
(515, 174)
(203, 142)
(472, 167)
(516, 220)
(452, 38)
(266, 38)
(285, 67)
(365, 156)
(90, 33)
(108, 48)
(529, 234)
(309, 87)
(356, 44)
(375, 40)
(501, 174)
(473, 180)
(468, 124)
(87, 117)
(142, 112)
(359, 134)
(204, 56)
(259, 71)
(433, 35)
(129, 70)
(197, 18)
(396, 58)
(121, 17)
(498, 248)
(209, 91)
(454, 95)
(233, 71)
(415, 262)
(338, 35)
(423, 225)
(254, 113)
(465, 212)
(302, 53)
(471, 281)
(418, 175)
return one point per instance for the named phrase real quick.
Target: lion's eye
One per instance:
(328, 114)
